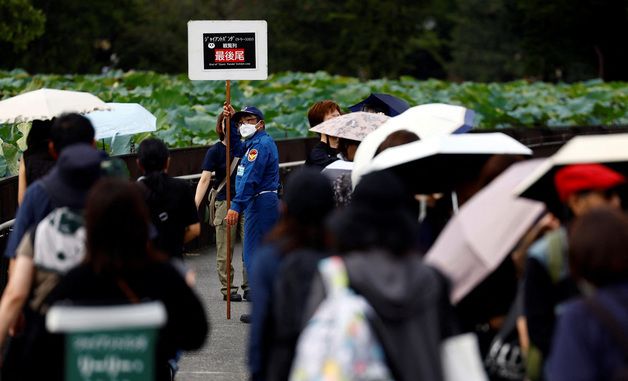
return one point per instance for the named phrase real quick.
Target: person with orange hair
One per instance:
(322, 154)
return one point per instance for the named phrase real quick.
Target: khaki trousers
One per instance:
(221, 247)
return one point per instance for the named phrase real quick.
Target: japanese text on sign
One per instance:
(229, 51)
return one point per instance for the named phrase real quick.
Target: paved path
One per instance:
(223, 356)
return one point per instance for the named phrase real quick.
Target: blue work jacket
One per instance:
(258, 171)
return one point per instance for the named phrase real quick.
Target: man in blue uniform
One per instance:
(257, 180)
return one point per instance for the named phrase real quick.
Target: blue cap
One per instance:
(248, 110)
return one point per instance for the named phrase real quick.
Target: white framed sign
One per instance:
(221, 50)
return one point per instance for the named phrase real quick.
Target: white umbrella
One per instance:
(122, 119)
(428, 120)
(434, 165)
(44, 104)
(337, 168)
(486, 229)
(610, 150)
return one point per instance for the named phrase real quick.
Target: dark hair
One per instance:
(220, 121)
(395, 139)
(39, 135)
(70, 129)
(378, 217)
(153, 155)
(317, 112)
(598, 247)
(376, 107)
(116, 218)
(344, 144)
(308, 199)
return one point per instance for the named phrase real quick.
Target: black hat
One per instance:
(309, 196)
(76, 170)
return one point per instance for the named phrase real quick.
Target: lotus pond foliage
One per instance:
(186, 110)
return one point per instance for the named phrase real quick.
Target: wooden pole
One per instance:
(228, 185)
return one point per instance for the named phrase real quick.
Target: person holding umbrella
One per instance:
(322, 154)
(386, 104)
(548, 282)
(257, 181)
(349, 130)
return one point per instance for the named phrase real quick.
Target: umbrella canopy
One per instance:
(428, 120)
(388, 104)
(438, 164)
(609, 150)
(353, 126)
(44, 104)
(122, 119)
(486, 229)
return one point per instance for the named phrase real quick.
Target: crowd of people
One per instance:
(335, 271)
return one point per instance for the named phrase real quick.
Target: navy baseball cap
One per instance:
(248, 110)
(76, 170)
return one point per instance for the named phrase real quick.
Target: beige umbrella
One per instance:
(486, 229)
(44, 104)
(353, 126)
(610, 150)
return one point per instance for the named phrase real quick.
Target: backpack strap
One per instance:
(334, 274)
(609, 322)
(234, 164)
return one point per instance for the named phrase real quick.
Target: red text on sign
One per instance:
(229, 55)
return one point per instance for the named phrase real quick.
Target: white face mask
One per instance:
(247, 130)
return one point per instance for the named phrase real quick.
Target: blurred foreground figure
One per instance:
(410, 300)
(591, 340)
(548, 281)
(120, 268)
(283, 271)
(38, 200)
(48, 251)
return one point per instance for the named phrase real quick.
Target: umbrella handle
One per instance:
(454, 202)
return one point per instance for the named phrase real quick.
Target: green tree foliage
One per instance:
(20, 23)
(78, 36)
(365, 38)
(573, 39)
(156, 38)
(486, 42)
(558, 40)
(479, 40)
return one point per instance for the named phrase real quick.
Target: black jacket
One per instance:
(321, 156)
